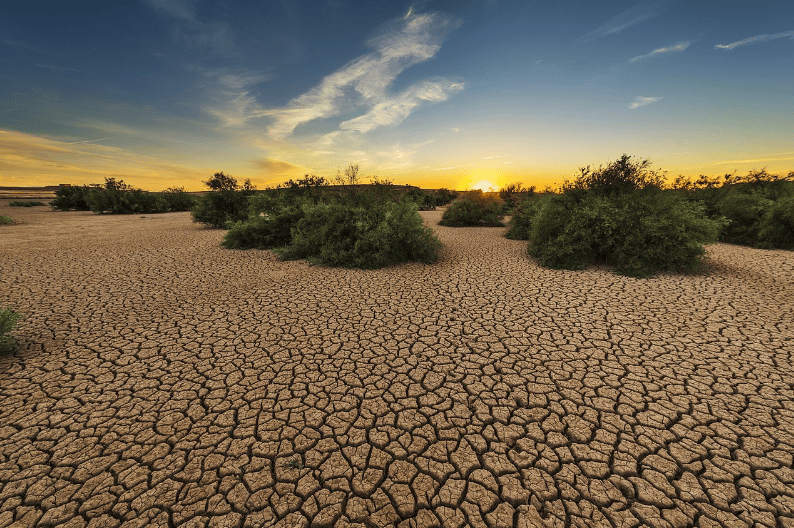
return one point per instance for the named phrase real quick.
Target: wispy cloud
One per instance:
(755, 40)
(54, 68)
(643, 101)
(277, 168)
(364, 81)
(637, 13)
(394, 110)
(659, 51)
(180, 9)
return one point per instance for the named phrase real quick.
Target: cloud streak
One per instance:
(755, 40)
(364, 81)
(643, 101)
(637, 13)
(660, 51)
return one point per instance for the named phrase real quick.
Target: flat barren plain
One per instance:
(165, 381)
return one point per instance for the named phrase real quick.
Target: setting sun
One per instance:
(484, 185)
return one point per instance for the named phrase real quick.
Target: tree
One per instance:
(351, 176)
(222, 182)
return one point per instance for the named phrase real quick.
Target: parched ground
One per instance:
(166, 381)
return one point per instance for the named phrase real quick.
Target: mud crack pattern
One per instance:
(165, 381)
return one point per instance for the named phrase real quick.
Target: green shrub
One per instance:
(132, 201)
(776, 230)
(8, 320)
(424, 200)
(18, 203)
(639, 233)
(474, 209)
(744, 212)
(219, 208)
(178, 199)
(621, 176)
(69, 197)
(354, 236)
(269, 225)
(6, 220)
(520, 225)
(444, 196)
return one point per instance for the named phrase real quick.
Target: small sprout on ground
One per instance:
(294, 463)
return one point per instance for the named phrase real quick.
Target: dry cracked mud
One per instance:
(166, 381)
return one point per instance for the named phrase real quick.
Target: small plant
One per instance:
(18, 203)
(294, 463)
(8, 320)
(6, 220)
(474, 209)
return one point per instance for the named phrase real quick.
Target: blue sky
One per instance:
(435, 93)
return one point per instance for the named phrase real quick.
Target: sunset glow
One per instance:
(437, 94)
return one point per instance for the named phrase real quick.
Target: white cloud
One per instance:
(755, 39)
(634, 15)
(394, 110)
(642, 101)
(659, 51)
(406, 42)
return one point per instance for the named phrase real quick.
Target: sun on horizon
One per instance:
(483, 185)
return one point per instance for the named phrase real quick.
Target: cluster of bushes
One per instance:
(759, 207)
(8, 320)
(116, 197)
(475, 208)
(19, 203)
(513, 195)
(354, 228)
(618, 215)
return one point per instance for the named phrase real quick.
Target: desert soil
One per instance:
(166, 381)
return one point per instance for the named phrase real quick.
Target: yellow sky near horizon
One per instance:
(28, 160)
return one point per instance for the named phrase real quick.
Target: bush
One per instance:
(639, 233)
(220, 208)
(425, 201)
(69, 197)
(520, 225)
(474, 209)
(132, 201)
(17, 203)
(776, 230)
(6, 220)
(354, 236)
(8, 320)
(178, 199)
(621, 176)
(744, 212)
(269, 225)
(444, 196)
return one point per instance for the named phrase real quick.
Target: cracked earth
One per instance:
(166, 381)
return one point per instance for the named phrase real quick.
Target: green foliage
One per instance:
(444, 196)
(744, 212)
(621, 176)
(520, 225)
(6, 220)
(18, 203)
(269, 224)
(367, 237)
(513, 194)
(178, 199)
(68, 197)
(219, 208)
(639, 233)
(776, 230)
(8, 320)
(475, 208)
(222, 182)
(424, 200)
(113, 200)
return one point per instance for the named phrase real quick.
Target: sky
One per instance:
(446, 93)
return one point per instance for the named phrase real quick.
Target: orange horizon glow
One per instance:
(28, 160)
